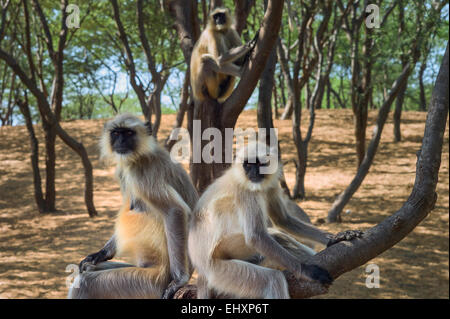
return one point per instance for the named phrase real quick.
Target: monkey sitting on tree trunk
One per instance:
(217, 58)
(151, 226)
(233, 242)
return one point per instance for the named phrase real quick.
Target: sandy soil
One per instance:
(35, 249)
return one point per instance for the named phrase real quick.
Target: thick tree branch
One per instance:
(268, 34)
(3, 21)
(49, 117)
(147, 51)
(129, 62)
(241, 12)
(188, 31)
(346, 256)
(48, 35)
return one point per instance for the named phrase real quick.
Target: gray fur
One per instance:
(153, 184)
(230, 233)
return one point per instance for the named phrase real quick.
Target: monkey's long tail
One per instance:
(129, 283)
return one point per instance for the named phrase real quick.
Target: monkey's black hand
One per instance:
(344, 236)
(171, 289)
(314, 272)
(251, 45)
(92, 259)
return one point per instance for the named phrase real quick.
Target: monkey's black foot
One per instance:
(87, 267)
(90, 261)
(344, 236)
(171, 289)
(314, 272)
(250, 45)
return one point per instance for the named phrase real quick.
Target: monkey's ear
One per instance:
(148, 126)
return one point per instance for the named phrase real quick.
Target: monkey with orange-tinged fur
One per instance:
(238, 238)
(151, 227)
(217, 58)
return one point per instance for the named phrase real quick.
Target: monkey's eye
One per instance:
(219, 18)
(130, 133)
(115, 133)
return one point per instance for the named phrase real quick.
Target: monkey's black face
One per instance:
(220, 18)
(252, 170)
(123, 140)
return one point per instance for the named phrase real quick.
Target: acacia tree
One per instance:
(309, 53)
(242, 10)
(346, 256)
(304, 61)
(404, 61)
(7, 89)
(424, 29)
(363, 169)
(33, 75)
(334, 214)
(361, 80)
(148, 94)
(187, 26)
(341, 258)
(34, 156)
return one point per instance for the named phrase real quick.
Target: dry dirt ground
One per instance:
(35, 249)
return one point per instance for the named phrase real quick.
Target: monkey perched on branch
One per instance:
(237, 239)
(151, 227)
(218, 57)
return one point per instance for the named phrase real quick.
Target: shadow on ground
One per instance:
(35, 249)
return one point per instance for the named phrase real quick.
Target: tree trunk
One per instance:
(264, 111)
(299, 188)
(423, 102)
(404, 60)
(34, 157)
(155, 105)
(282, 93)
(214, 4)
(288, 109)
(50, 160)
(266, 85)
(207, 115)
(275, 102)
(357, 90)
(398, 113)
(301, 147)
(224, 115)
(360, 120)
(344, 257)
(49, 117)
(328, 93)
(181, 110)
(241, 12)
(338, 98)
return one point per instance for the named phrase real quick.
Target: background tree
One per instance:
(203, 173)
(39, 77)
(344, 257)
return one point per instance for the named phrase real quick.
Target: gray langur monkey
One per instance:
(237, 238)
(218, 57)
(151, 227)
